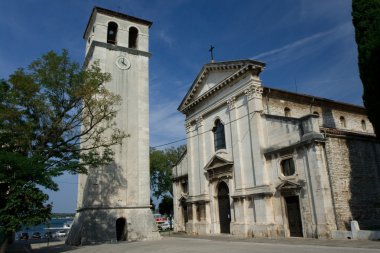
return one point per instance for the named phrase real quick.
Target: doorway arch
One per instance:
(120, 229)
(224, 208)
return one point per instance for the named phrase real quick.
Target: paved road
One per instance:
(204, 245)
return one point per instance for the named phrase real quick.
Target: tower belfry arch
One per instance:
(114, 201)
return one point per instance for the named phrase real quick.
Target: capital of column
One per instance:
(254, 91)
(199, 121)
(231, 102)
(188, 127)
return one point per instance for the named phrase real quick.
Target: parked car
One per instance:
(164, 226)
(159, 218)
(36, 235)
(60, 233)
(24, 236)
(49, 235)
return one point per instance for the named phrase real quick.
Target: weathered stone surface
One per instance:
(331, 145)
(355, 180)
(114, 200)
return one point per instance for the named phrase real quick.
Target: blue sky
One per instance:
(308, 46)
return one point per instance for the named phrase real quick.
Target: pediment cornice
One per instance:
(290, 187)
(218, 168)
(217, 162)
(287, 184)
(240, 69)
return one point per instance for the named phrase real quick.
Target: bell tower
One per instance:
(114, 201)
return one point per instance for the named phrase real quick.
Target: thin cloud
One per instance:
(166, 123)
(307, 46)
(164, 36)
(293, 45)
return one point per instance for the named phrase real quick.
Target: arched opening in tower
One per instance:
(121, 234)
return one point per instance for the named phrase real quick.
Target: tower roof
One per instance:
(111, 13)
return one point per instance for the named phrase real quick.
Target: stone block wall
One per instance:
(276, 106)
(354, 170)
(329, 116)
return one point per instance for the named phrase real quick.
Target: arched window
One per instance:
(287, 112)
(112, 33)
(132, 39)
(364, 126)
(219, 138)
(342, 121)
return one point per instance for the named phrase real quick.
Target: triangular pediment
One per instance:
(215, 76)
(288, 185)
(183, 197)
(217, 162)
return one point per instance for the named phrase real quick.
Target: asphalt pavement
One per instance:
(177, 242)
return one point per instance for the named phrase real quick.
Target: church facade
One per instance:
(262, 162)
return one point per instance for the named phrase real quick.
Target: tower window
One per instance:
(219, 138)
(112, 33)
(132, 39)
(342, 121)
(287, 112)
(287, 167)
(364, 127)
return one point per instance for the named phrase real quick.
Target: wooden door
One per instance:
(224, 208)
(294, 216)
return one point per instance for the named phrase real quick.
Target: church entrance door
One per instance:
(294, 216)
(224, 208)
(120, 229)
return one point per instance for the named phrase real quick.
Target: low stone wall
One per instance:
(356, 233)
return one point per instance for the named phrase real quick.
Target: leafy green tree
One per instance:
(366, 19)
(55, 117)
(166, 205)
(161, 163)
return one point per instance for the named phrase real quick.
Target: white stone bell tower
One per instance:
(114, 201)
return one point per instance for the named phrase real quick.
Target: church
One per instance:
(264, 162)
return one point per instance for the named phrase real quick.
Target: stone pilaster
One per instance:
(236, 144)
(192, 157)
(202, 154)
(262, 203)
(320, 191)
(257, 133)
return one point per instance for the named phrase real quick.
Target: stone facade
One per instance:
(263, 162)
(354, 164)
(114, 201)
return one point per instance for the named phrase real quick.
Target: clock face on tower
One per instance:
(122, 62)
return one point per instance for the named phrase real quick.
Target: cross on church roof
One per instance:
(212, 53)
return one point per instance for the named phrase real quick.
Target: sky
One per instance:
(308, 47)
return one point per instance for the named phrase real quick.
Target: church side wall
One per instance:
(282, 131)
(180, 178)
(329, 117)
(178, 223)
(354, 167)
